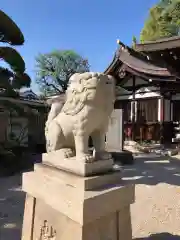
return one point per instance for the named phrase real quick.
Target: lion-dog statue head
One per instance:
(89, 88)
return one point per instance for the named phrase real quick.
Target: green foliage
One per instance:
(13, 58)
(163, 21)
(54, 69)
(15, 77)
(134, 41)
(21, 80)
(9, 31)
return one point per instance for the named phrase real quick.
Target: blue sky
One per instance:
(91, 28)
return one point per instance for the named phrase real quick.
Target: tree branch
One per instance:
(52, 85)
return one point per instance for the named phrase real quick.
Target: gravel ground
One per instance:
(155, 214)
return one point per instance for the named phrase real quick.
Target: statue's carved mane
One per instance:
(78, 90)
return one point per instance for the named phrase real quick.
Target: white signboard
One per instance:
(115, 134)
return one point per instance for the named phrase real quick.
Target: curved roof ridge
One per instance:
(137, 61)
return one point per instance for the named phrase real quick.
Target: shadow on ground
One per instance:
(12, 199)
(152, 171)
(160, 236)
(11, 208)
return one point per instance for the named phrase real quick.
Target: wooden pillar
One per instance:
(171, 108)
(162, 109)
(133, 109)
(162, 120)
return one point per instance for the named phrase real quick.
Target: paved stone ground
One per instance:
(11, 208)
(155, 215)
(156, 212)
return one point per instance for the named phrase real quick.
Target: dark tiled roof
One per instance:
(159, 45)
(164, 51)
(128, 59)
(140, 65)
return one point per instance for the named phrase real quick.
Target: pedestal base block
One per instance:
(64, 206)
(77, 167)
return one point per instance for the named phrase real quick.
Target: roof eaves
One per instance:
(158, 45)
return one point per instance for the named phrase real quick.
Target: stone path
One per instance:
(156, 212)
(155, 215)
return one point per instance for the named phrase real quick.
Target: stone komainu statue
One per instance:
(89, 103)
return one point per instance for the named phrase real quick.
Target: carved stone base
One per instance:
(63, 206)
(78, 167)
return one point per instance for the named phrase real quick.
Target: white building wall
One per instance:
(159, 109)
(147, 92)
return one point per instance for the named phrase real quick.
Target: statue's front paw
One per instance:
(87, 158)
(102, 155)
(67, 152)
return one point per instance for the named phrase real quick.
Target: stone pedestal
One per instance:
(64, 206)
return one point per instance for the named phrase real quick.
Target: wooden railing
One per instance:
(152, 131)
